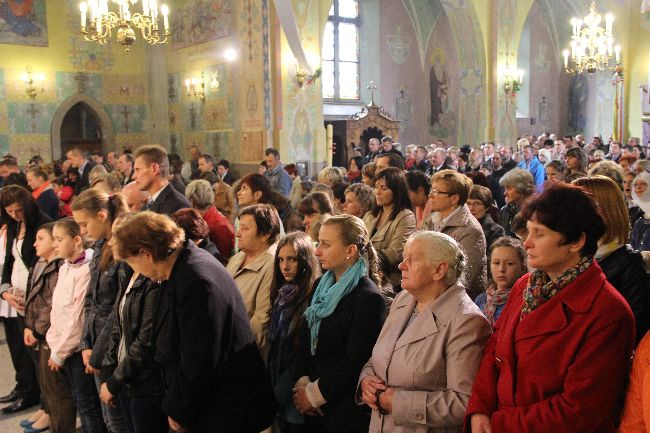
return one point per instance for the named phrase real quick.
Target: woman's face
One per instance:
(640, 186)
(417, 273)
(625, 164)
(572, 163)
(249, 241)
(352, 205)
(512, 194)
(476, 208)
(308, 220)
(44, 244)
(353, 166)
(627, 186)
(553, 174)
(440, 198)
(331, 251)
(65, 245)
(34, 181)
(288, 262)
(505, 267)
(15, 211)
(92, 226)
(383, 194)
(545, 250)
(245, 196)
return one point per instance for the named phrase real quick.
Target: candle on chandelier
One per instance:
(165, 11)
(145, 7)
(187, 84)
(83, 7)
(565, 53)
(609, 19)
(617, 51)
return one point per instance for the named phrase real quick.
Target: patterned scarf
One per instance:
(495, 299)
(541, 288)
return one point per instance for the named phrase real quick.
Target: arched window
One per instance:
(341, 52)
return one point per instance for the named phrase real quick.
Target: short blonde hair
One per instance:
(457, 183)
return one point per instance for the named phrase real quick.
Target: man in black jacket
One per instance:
(151, 174)
(79, 161)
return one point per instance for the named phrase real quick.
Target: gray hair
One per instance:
(642, 163)
(520, 179)
(199, 192)
(365, 195)
(332, 174)
(96, 171)
(608, 169)
(439, 247)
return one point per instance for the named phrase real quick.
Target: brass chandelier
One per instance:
(97, 22)
(592, 46)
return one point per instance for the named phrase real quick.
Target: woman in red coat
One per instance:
(560, 354)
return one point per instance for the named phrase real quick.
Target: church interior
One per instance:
(234, 77)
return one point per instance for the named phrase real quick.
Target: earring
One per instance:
(347, 257)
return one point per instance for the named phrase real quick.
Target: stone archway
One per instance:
(108, 139)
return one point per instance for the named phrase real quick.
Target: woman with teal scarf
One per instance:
(339, 329)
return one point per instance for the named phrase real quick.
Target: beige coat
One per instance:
(390, 239)
(467, 231)
(431, 364)
(224, 199)
(254, 283)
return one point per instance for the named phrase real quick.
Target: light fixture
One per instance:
(230, 54)
(592, 46)
(513, 79)
(97, 22)
(305, 77)
(195, 87)
(214, 82)
(33, 86)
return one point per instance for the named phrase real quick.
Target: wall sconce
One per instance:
(196, 87)
(33, 86)
(512, 80)
(304, 77)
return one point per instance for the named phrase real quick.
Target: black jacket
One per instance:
(103, 290)
(228, 178)
(38, 299)
(84, 181)
(136, 370)
(491, 230)
(345, 342)
(27, 252)
(625, 271)
(169, 201)
(48, 203)
(506, 216)
(214, 376)
(209, 246)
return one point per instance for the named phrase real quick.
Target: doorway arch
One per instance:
(108, 139)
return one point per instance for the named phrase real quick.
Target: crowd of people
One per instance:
(490, 289)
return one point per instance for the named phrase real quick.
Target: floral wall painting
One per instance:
(23, 22)
(198, 21)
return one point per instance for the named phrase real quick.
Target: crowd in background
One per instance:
(142, 293)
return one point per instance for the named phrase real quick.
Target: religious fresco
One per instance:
(23, 22)
(29, 118)
(83, 55)
(127, 119)
(24, 146)
(197, 21)
(442, 121)
(70, 83)
(217, 144)
(123, 89)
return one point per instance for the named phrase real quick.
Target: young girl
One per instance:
(295, 271)
(38, 303)
(507, 265)
(95, 212)
(66, 323)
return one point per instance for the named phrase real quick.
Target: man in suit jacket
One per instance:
(223, 170)
(79, 161)
(151, 174)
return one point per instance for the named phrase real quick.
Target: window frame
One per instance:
(336, 19)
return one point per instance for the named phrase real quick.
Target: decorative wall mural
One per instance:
(302, 137)
(578, 96)
(198, 21)
(442, 121)
(23, 22)
(541, 59)
(249, 32)
(399, 46)
(543, 111)
(85, 56)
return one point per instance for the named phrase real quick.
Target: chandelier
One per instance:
(97, 23)
(592, 46)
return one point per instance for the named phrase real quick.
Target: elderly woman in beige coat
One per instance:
(447, 199)
(420, 375)
(252, 266)
(392, 221)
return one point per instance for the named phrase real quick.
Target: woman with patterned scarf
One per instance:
(507, 265)
(560, 353)
(339, 329)
(295, 271)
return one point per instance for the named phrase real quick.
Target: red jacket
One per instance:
(222, 232)
(563, 368)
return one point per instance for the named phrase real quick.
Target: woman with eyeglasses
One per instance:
(451, 215)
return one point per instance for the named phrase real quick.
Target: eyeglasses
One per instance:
(434, 191)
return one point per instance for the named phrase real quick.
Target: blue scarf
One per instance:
(328, 294)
